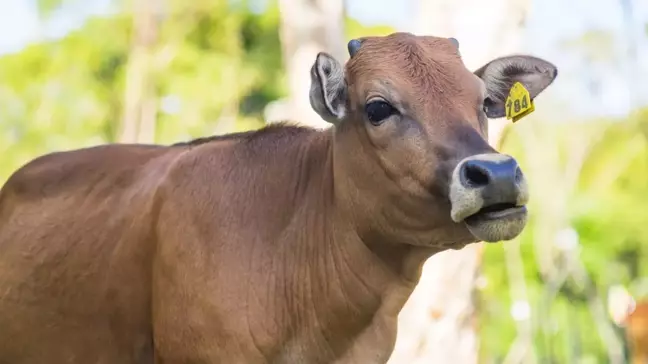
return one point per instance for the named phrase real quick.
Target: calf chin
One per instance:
(492, 230)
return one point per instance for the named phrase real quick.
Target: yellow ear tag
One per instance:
(518, 103)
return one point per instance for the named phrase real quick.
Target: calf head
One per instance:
(411, 128)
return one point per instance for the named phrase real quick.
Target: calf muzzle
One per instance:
(488, 192)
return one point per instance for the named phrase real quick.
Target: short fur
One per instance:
(282, 245)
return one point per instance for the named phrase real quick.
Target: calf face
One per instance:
(424, 117)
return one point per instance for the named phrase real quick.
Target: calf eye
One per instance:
(378, 111)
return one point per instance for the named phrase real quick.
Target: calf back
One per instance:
(75, 252)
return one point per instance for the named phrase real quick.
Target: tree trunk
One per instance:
(438, 323)
(140, 103)
(308, 27)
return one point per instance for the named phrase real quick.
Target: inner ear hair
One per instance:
(328, 90)
(500, 74)
(331, 76)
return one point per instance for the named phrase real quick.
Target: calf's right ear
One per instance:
(328, 92)
(500, 74)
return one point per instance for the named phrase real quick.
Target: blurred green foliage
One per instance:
(215, 57)
(606, 205)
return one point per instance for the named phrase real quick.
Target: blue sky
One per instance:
(551, 22)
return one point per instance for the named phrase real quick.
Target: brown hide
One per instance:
(284, 245)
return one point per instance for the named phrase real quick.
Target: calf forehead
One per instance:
(417, 68)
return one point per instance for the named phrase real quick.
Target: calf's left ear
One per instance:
(500, 74)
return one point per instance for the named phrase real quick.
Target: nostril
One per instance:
(518, 175)
(475, 175)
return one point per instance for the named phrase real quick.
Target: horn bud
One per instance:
(354, 46)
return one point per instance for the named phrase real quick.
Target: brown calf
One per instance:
(284, 245)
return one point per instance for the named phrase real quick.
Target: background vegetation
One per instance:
(216, 64)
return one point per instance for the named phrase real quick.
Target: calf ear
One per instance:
(328, 90)
(500, 74)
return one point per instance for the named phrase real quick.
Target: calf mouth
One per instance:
(496, 212)
(497, 222)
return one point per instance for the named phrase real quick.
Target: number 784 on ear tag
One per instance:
(518, 103)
